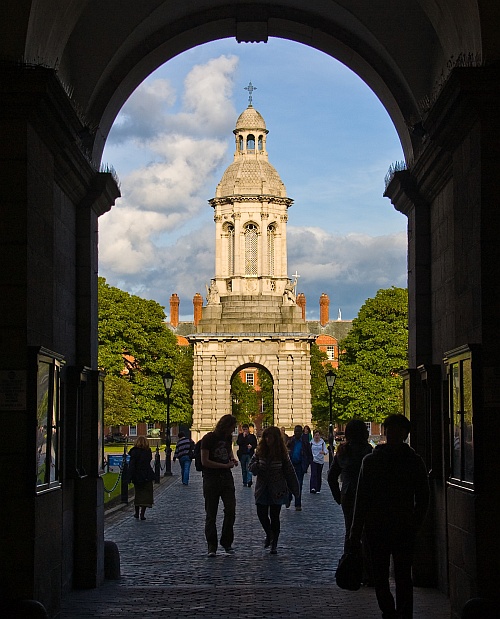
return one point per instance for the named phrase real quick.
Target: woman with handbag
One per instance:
(141, 475)
(276, 477)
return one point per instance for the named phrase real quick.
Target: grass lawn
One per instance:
(109, 480)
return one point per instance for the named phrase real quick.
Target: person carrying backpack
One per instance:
(217, 459)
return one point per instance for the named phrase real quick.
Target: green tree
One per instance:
(369, 385)
(245, 400)
(117, 401)
(267, 396)
(320, 410)
(136, 346)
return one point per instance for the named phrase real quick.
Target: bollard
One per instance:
(157, 465)
(124, 485)
(111, 561)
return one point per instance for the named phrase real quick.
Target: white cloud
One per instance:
(172, 188)
(351, 268)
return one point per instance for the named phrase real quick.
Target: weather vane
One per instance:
(250, 89)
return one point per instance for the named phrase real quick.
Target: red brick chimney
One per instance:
(301, 302)
(324, 309)
(198, 304)
(174, 310)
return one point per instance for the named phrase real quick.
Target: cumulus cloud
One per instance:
(184, 149)
(350, 269)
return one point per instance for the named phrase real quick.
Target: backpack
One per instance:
(197, 456)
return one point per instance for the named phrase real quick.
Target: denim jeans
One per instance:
(185, 462)
(244, 461)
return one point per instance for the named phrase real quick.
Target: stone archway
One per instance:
(435, 68)
(218, 357)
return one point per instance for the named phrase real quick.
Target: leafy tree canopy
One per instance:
(369, 385)
(245, 400)
(319, 391)
(267, 396)
(135, 346)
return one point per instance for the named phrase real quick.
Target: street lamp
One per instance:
(168, 379)
(330, 377)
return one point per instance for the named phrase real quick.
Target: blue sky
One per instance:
(330, 140)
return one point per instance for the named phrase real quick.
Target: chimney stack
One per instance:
(324, 308)
(301, 302)
(174, 310)
(198, 304)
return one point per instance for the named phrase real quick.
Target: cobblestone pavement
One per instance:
(166, 571)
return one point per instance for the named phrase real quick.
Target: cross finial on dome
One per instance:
(250, 89)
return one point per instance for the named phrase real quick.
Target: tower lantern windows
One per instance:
(251, 143)
(251, 246)
(261, 143)
(240, 143)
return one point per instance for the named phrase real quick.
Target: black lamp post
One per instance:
(330, 382)
(168, 379)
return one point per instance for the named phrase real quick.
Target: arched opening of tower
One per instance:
(252, 397)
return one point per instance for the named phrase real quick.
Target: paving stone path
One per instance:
(166, 571)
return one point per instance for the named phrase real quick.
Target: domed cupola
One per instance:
(250, 173)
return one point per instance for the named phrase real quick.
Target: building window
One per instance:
(368, 425)
(251, 143)
(230, 249)
(260, 143)
(271, 234)
(460, 407)
(330, 352)
(250, 249)
(48, 391)
(132, 430)
(249, 378)
(240, 143)
(151, 426)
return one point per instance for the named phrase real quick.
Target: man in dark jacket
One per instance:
(247, 443)
(301, 457)
(391, 502)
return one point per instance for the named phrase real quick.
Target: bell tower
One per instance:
(251, 316)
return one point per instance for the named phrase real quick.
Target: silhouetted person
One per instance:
(346, 465)
(391, 502)
(247, 443)
(142, 476)
(301, 456)
(184, 452)
(217, 459)
(275, 477)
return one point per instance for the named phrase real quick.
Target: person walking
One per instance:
(217, 459)
(275, 479)
(345, 467)
(318, 452)
(184, 451)
(392, 499)
(300, 454)
(141, 475)
(247, 443)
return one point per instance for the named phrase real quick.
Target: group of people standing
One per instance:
(383, 492)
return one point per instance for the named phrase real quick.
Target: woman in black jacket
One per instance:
(141, 475)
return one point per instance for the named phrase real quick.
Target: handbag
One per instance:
(349, 571)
